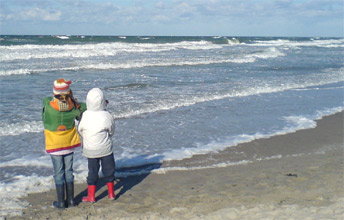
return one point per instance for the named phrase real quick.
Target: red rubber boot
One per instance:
(91, 192)
(111, 191)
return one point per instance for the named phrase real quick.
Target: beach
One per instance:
(182, 105)
(306, 185)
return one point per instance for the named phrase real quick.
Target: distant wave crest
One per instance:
(248, 58)
(33, 51)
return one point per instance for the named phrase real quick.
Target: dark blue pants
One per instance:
(108, 169)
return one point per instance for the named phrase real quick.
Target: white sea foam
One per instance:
(11, 192)
(21, 185)
(249, 58)
(233, 41)
(43, 161)
(32, 51)
(317, 88)
(27, 52)
(163, 63)
(271, 52)
(164, 170)
(63, 37)
(330, 43)
(20, 128)
(15, 72)
(145, 38)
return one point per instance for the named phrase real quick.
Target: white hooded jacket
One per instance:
(96, 126)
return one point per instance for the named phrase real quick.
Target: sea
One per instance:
(172, 97)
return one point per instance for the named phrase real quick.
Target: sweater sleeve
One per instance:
(81, 110)
(112, 127)
(80, 128)
(46, 101)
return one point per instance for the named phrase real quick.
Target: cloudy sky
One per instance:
(316, 18)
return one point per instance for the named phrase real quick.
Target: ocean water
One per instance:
(172, 97)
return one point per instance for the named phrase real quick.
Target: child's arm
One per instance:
(80, 127)
(81, 109)
(112, 127)
(45, 101)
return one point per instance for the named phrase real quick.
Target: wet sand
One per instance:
(300, 176)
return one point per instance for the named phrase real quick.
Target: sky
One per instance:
(289, 18)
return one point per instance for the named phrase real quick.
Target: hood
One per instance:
(95, 100)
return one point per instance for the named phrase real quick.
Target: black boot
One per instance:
(70, 194)
(60, 192)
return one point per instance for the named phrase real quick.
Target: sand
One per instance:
(303, 179)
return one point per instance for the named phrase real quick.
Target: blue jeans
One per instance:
(108, 169)
(63, 168)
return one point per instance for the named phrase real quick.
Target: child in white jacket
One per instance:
(96, 128)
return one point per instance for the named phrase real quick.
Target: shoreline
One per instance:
(294, 143)
(306, 181)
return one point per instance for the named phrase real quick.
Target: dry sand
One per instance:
(306, 182)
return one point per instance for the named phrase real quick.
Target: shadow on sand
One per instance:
(129, 177)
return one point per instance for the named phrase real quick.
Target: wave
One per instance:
(32, 51)
(146, 38)
(326, 43)
(26, 161)
(63, 37)
(233, 41)
(248, 58)
(293, 123)
(111, 66)
(35, 51)
(20, 128)
(106, 66)
(17, 72)
(318, 88)
(268, 53)
(159, 106)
